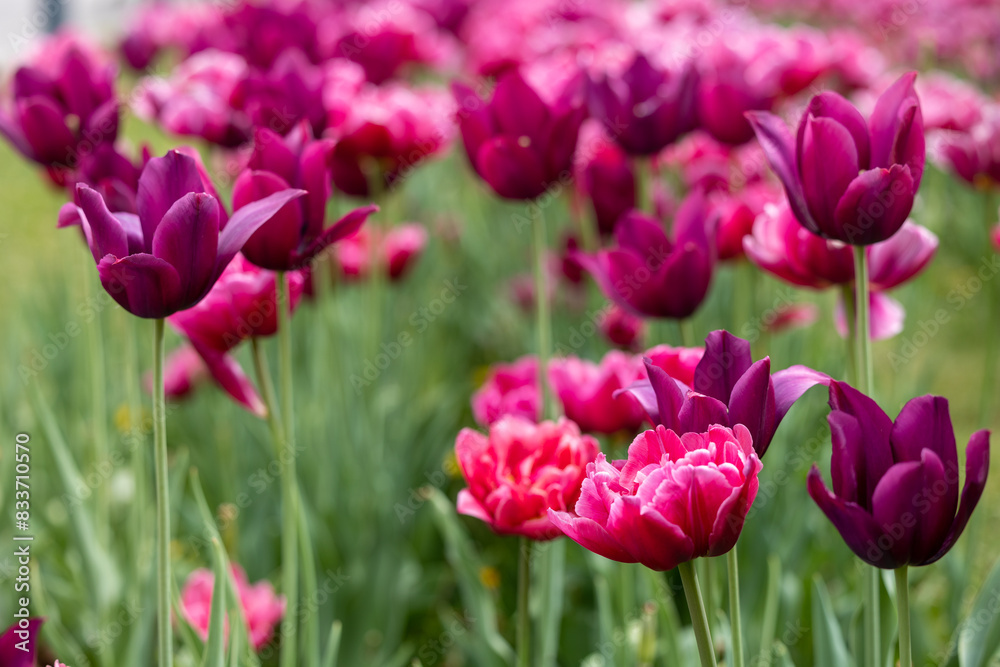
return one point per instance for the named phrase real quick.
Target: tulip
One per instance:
(290, 91)
(676, 498)
(727, 388)
(11, 653)
(680, 363)
(167, 257)
(522, 140)
(820, 170)
(587, 391)
(261, 32)
(183, 370)
(63, 105)
(794, 316)
(397, 250)
(652, 276)
(291, 238)
(895, 497)
(973, 155)
(622, 328)
(725, 93)
(520, 471)
(737, 213)
(242, 304)
(262, 608)
(646, 107)
(509, 389)
(605, 175)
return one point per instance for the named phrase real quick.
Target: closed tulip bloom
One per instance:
(241, 305)
(291, 238)
(167, 257)
(820, 168)
(587, 391)
(726, 93)
(727, 388)
(522, 140)
(520, 471)
(63, 104)
(895, 497)
(973, 154)
(676, 498)
(645, 107)
(605, 176)
(622, 328)
(651, 274)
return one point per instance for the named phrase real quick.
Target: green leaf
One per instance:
(333, 645)
(829, 649)
(979, 636)
(215, 648)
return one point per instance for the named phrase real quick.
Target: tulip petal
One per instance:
(102, 126)
(10, 129)
(902, 256)
(11, 655)
(897, 128)
(726, 359)
(894, 510)
(229, 375)
(648, 536)
(163, 181)
(271, 153)
(642, 234)
(144, 285)
(103, 231)
(341, 229)
(44, 127)
(828, 165)
(829, 104)
(857, 528)
(514, 171)
(590, 535)
(133, 231)
(698, 412)
(248, 220)
(474, 121)
(977, 467)
(467, 504)
(669, 395)
(875, 205)
(271, 246)
(789, 386)
(875, 427)
(188, 237)
(779, 148)
(316, 182)
(847, 462)
(684, 279)
(925, 423)
(752, 404)
(518, 109)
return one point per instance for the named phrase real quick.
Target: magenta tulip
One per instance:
(587, 391)
(622, 328)
(653, 275)
(167, 257)
(676, 498)
(17, 643)
(895, 497)
(820, 168)
(292, 237)
(605, 175)
(509, 389)
(520, 471)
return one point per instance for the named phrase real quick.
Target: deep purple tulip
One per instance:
(647, 107)
(728, 388)
(291, 90)
(522, 141)
(895, 497)
(604, 174)
(10, 653)
(725, 94)
(820, 168)
(63, 105)
(167, 257)
(294, 235)
(652, 275)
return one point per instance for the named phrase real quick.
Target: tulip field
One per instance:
(502, 332)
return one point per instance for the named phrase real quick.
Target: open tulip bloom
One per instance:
(895, 497)
(848, 179)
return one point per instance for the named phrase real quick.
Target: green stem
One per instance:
(523, 615)
(903, 612)
(645, 201)
(699, 619)
(99, 413)
(865, 381)
(850, 314)
(543, 316)
(992, 310)
(165, 642)
(735, 623)
(310, 619)
(289, 486)
(687, 336)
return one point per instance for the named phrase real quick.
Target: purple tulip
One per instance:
(522, 141)
(728, 388)
(294, 235)
(167, 257)
(726, 93)
(820, 168)
(647, 107)
(650, 275)
(604, 174)
(291, 90)
(10, 654)
(63, 105)
(895, 498)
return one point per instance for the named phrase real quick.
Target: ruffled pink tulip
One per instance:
(587, 391)
(676, 498)
(521, 471)
(262, 608)
(509, 389)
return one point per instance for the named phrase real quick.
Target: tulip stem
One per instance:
(165, 642)
(543, 315)
(851, 315)
(903, 612)
(523, 615)
(699, 619)
(289, 490)
(862, 339)
(687, 336)
(735, 623)
(990, 365)
(645, 199)
(99, 412)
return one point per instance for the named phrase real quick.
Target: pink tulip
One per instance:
(791, 316)
(676, 498)
(587, 391)
(262, 608)
(679, 363)
(510, 389)
(183, 370)
(397, 250)
(521, 471)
